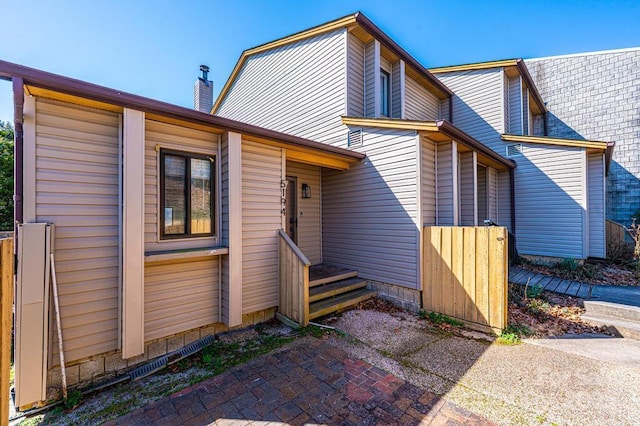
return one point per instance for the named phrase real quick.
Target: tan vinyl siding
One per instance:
(178, 138)
(444, 109)
(396, 97)
(77, 190)
(525, 111)
(445, 181)
(428, 177)
(467, 199)
(504, 199)
(492, 194)
(515, 106)
(355, 64)
(482, 194)
(477, 104)
(184, 295)
(370, 76)
(420, 104)
(261, 218)
(179, 297)
(298, 88)
(596, 206)
(309, 214)
(550, 201)
(369, 212)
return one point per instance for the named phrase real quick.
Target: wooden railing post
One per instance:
(6, 322)
(294, 281)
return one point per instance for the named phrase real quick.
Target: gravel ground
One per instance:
(522, 384)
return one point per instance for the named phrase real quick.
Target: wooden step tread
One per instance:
(333, 289)
(337, 303)
(323, 274)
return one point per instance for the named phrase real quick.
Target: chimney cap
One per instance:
(205, 72)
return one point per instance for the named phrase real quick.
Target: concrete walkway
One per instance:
(308, 382)
(587, 380)
(626, 295)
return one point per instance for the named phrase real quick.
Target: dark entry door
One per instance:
(291, 208)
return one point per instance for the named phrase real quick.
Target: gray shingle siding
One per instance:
(596, 96)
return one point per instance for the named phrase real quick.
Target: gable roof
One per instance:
(352, 21)
(517, 65)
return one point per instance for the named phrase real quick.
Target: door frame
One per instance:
(291, 207)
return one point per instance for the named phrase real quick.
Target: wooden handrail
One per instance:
(293, 286)
(294, 247)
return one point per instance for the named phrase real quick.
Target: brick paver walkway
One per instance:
(309, 382)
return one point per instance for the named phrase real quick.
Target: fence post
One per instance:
(6, 323)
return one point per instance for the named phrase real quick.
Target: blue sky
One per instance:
(154, 48)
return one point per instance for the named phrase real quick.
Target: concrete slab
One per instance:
(599, 347)
(617, 294)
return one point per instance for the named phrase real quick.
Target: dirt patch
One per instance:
(548, 314)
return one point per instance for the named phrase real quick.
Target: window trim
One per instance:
(385, 90)
(187, 235)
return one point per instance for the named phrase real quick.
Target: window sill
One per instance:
(184, 254)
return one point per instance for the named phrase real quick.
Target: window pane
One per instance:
(200, 196)
(174, 191)
(384, 93)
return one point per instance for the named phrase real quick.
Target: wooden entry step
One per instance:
(323, 274)
(337, 303)
(325, 291)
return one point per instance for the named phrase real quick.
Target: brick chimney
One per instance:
(203, 91)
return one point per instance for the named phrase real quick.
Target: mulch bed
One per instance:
(592, 272)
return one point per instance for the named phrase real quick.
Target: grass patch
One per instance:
(437, 318)
(512, 334)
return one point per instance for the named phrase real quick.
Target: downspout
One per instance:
(18, 154)
(451, 109)
(544, 123)
(513, 201)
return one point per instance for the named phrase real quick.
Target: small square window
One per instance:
(187, 195)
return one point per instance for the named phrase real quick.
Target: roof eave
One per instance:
(369, 26)
(524, 72)
(79, 88)
(457, 134)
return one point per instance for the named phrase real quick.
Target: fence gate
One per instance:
(465, 274)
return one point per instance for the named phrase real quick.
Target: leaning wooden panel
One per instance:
(6, 321)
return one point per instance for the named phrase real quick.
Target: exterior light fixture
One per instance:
(306, 191)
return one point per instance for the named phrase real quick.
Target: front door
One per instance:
(291, 208)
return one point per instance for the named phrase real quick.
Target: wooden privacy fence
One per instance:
(465, 274)
(615, 234)
(6, 321)
(294, 281)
